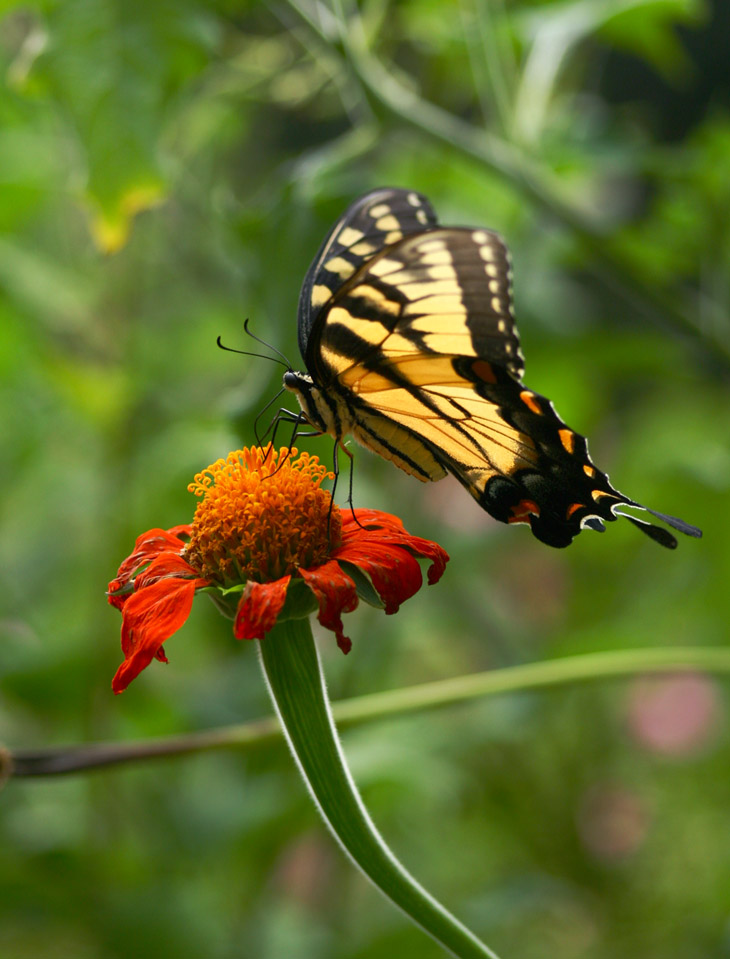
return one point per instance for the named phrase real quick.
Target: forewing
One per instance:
(446, 291)
(374, 221)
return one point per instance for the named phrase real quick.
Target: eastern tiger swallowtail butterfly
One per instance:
(408, 336)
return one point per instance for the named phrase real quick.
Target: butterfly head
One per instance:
(297, 382)
(309, 398)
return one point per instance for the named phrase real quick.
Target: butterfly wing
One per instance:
(374, 221)
(417, 352)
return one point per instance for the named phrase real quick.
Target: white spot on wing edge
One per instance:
(414, 199)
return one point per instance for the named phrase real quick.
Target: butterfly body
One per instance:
(408, 336)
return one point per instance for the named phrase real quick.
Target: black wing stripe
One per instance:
(397, 453)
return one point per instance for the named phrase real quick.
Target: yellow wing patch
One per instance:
(444, 409)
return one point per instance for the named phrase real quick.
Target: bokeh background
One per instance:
(169, 169)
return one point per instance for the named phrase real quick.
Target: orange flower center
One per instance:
(262, 515)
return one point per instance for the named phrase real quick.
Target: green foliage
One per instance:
(167, 170)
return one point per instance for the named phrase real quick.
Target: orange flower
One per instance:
(265, 542)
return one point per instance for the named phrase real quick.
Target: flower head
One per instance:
(266, 541)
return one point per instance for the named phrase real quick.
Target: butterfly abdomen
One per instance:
(331, 413)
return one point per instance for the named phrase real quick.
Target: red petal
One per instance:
(166, 566)
(394, 573)
(151, 616)
(259, 607)
(373, 518)
(148, 545)
(383, 529)
(184, 529)
(336, 594)
(117, 600)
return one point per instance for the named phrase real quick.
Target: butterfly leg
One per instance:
(339, 445)
(287, 416)
(282, 416)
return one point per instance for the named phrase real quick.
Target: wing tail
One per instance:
(658, 533)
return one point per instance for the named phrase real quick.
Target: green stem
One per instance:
(294, 676)
(586, 667)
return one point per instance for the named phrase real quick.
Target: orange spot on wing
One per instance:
(588, 469)
(572, 508)
(530, 402)
(484, 371)
(567, 438)
(522, 511)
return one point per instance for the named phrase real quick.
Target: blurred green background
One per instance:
(169, 169)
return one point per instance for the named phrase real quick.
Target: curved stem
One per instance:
(586, 667)
(296, 683)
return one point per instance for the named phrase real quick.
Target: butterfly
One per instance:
(408, 335)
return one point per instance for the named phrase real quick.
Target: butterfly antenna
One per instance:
(260, 356)
(267, 345)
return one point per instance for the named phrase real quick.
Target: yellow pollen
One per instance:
(262, 515)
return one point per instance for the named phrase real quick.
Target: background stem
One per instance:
(587, 667)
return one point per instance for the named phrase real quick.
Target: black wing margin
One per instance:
(565, 492)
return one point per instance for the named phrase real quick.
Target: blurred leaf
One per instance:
(114, 70)
(110, 219)
(552, 31)
(648, 29)
(58, 294)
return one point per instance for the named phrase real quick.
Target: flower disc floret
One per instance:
(262, 515)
